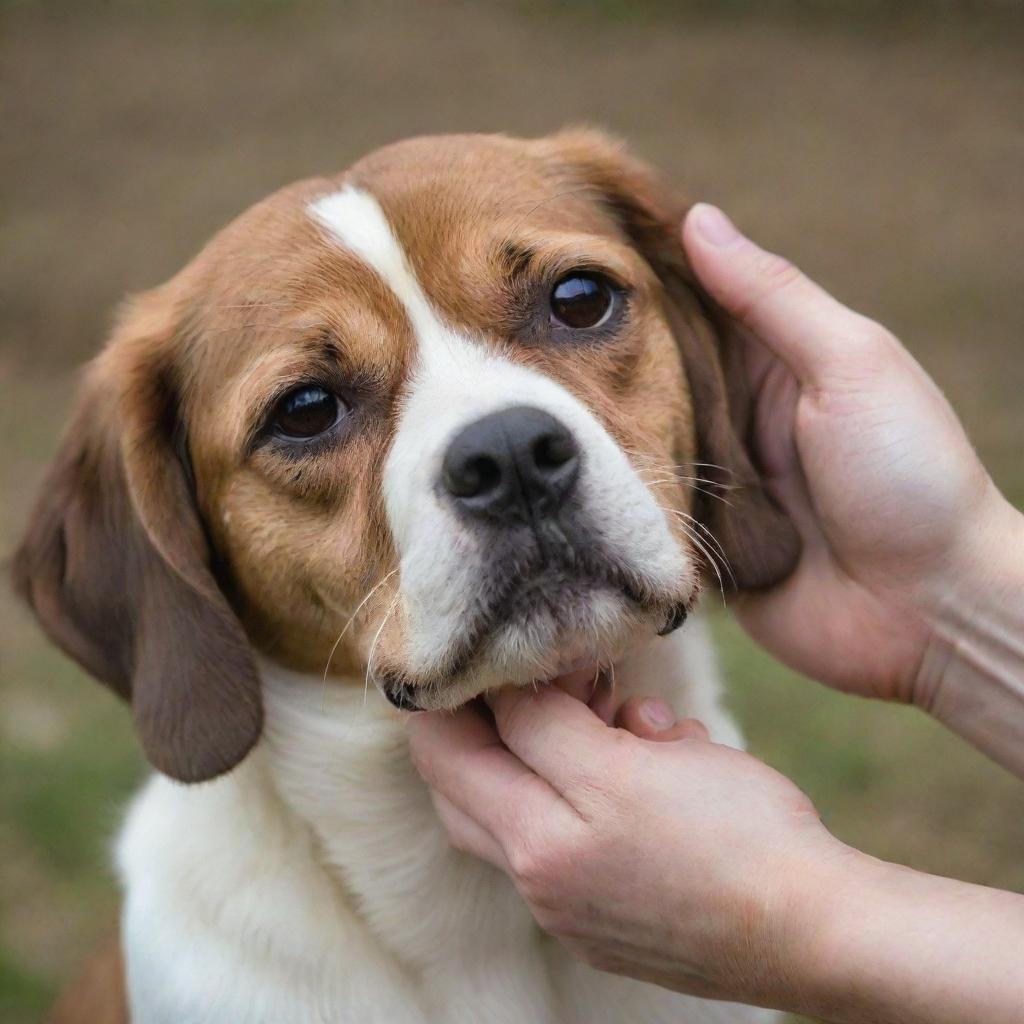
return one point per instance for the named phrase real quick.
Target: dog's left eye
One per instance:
(582, 300)
(306, 412)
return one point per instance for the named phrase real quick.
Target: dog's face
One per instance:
(444, 422)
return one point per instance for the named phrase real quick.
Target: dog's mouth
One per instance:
(554, 598)
(590, 684)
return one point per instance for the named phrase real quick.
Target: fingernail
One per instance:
(713, 225)
(656, 713)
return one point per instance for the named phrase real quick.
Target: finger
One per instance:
(797, 319)
(562, 740)
(461, 756)
(653, 719)
(594, 687)
(581, 684)
(645, 717)
(687, 729)
(466, 834)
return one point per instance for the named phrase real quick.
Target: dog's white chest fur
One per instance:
(314, 883)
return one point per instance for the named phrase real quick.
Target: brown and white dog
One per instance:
(427, 427)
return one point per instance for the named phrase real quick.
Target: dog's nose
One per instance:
(512, 465)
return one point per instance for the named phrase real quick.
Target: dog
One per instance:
(459, 417)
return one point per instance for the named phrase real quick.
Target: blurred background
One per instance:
(879, 144)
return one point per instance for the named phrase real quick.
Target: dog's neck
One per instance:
(338, 758)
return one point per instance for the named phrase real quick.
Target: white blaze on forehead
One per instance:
(354, 219)
(446, 359)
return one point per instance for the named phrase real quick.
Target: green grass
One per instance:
(61, 805)
(67, 764)
(23, 993)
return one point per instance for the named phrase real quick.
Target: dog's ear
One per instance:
(760, 542)
(116, 565)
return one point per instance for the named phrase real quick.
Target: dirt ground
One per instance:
(884, 154)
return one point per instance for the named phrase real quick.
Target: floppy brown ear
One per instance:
(760, 542)
(116, 566)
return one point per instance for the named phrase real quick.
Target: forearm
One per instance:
(972, 678)
(887, 945)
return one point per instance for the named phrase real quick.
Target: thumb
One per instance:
(653, 719)
(798, 320)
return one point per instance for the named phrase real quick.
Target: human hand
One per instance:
(902, 526)
(697, 867)
(677, 862)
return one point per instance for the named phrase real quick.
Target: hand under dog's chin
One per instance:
(580, 660)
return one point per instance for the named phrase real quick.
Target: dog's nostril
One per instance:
(554, 450)
(471, 477)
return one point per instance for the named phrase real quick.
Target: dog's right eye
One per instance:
(306, 412)
(583, 300)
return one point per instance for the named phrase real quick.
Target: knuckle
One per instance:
(537, 869)
(774, 274)
(861, 350)
(777, 272)
(873, 336)
(529, 865)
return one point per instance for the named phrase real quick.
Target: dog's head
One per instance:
(457, 418)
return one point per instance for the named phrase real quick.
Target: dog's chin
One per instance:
(570, 639)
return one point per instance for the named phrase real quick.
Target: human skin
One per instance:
(912, 579)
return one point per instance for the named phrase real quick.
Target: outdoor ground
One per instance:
(885, 155)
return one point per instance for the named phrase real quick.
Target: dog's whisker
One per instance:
(671, 472)
(713, 465)
(345, 629)
(712, 558)
(710, 494)
(552, 198)
(373, 646)
(712, 483)
(709, 559)
(664, 478)
(686, 519)
(251, 305)
(679, 513)
(713, 540)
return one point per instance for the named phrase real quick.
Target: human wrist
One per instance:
(891, 945)
(858, 966)
(986, 563)
(781, 917)
(821, 904)
(971, 677)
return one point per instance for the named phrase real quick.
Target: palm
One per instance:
(874, 474)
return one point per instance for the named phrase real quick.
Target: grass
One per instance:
(885, 157)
